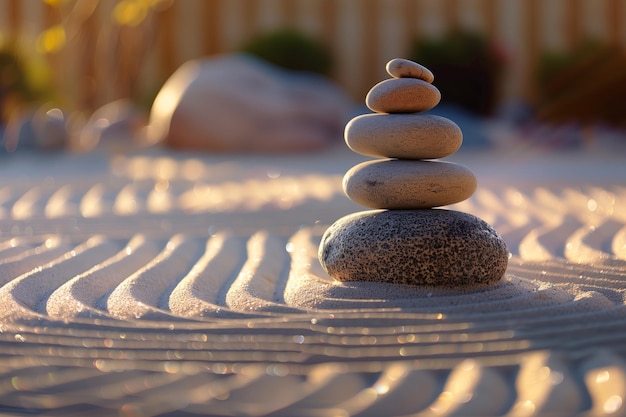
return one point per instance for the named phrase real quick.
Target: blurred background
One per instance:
(526, 63)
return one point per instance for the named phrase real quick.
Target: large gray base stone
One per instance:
(433, 247)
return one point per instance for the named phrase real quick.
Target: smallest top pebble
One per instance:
(403, 68)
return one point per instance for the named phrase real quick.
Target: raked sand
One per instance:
(196, 280)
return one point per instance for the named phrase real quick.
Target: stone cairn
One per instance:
(406, 239)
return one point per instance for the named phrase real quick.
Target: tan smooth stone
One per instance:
(402, 184)
(404, 136)
(403, 68)
(402, 95)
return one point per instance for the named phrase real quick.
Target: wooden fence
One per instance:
(99, 50)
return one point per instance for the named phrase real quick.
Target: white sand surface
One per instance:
(195, 278)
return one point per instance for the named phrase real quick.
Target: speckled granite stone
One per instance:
(433, 247)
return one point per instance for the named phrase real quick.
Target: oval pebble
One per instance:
(404, 68)
(405, 184)
(404, 136)
(402, 95)
(434, 247)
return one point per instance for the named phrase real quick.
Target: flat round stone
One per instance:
(405, 184)
(402, 95)
(404, 136)
(434, 247)
(404, 68)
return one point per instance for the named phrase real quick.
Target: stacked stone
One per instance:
(407, 239)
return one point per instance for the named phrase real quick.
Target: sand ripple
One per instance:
(163, 288)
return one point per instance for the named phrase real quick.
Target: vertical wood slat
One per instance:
(370, 45)
(451, 13)
(573, 23)
(288, 12)
(393, 34)
(52, 17)
(166, 22)
(328, 15)
(348, 48)
(211, 28)
(88, 34)
(250, 16)
(614, 13)
(15, 18)
(531, 31)
(490, 11)
(411, 12)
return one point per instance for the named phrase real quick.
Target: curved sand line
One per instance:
(200, 292)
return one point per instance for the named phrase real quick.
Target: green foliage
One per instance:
(466, 68)
(292, 50)
(14, 86)
(13, 78)
(459, 48)
(555, 63)
(22, 82)
(585, 85)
